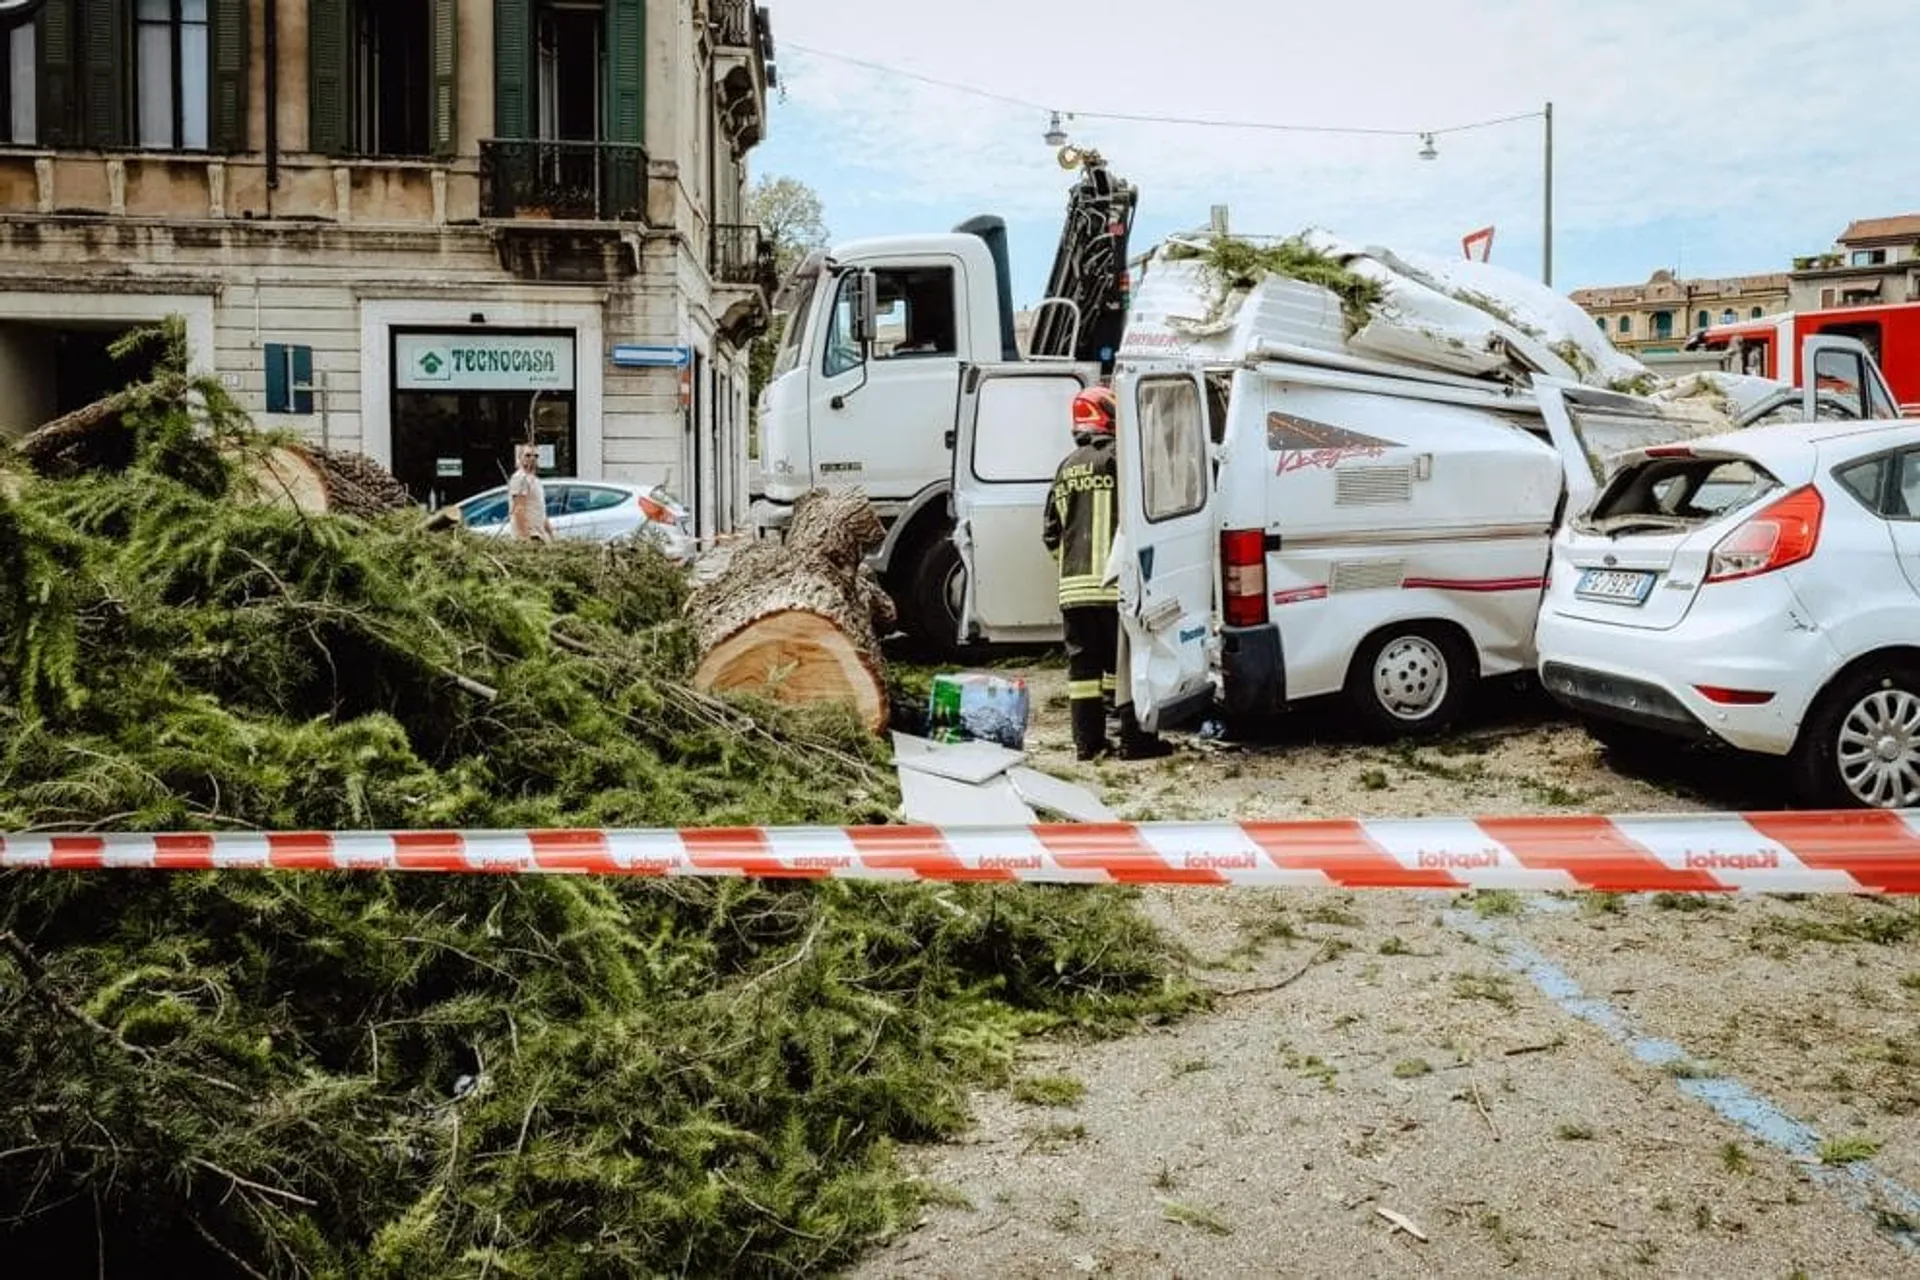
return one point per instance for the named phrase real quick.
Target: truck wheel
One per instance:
(935, 583)
(1858, 749)
(1410, 681)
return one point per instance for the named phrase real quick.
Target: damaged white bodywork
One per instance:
(1466, 318)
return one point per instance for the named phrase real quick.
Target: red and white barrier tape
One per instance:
(1852, 852)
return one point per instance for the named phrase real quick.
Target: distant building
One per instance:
(1875, 261)
(1655, 318)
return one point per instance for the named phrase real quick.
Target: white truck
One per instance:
(868, 376)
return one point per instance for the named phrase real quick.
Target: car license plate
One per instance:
(1618, 586)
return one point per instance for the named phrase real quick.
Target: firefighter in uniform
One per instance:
(1078, 528)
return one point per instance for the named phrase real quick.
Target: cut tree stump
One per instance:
(798, 621)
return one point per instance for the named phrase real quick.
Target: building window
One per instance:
(1728, 316)
(390, 80)
(1703, 319)
(381, 77)
(1626, 324)
(18, 87)
(1755, 314)
(1601, 321)
(170, 74)
(1663, 324)
(1869, 257)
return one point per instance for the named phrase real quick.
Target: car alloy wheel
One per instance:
(1877, 749)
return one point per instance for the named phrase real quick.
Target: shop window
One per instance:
(1173, 444)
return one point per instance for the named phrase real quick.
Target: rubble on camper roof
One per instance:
(1235, 298)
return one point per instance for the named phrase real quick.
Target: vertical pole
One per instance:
(1546, 247)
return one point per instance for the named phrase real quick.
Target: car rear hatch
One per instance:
(1638, 557)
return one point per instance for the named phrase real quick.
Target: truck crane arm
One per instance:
(1090, 268)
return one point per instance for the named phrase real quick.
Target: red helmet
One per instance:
(1093, 410)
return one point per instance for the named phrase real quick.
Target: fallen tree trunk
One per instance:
(321, 482)
(799, 621)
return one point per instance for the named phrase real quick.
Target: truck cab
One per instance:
(868, 378)
(1777, 347)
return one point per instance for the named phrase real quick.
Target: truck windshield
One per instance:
(796, 323)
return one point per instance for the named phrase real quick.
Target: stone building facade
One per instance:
(1874, 262)
(422, 229)
(1656, 318)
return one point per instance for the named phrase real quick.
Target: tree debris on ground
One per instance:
(799, 621)
(345, 1074)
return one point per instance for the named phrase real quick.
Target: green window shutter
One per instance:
(229, 76)
(626, 71)
(327, 45)
(446, 80)
(103, 26)
(512, 68)
(59, 74)
(626, 117)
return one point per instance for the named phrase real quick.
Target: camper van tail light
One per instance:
(1782, 533)
(1243, 575)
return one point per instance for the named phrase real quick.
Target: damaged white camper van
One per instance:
(1342, 487)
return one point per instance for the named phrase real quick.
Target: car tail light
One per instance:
(1784, 532)
(653, 510)
(1670, 451)
(1243, 576)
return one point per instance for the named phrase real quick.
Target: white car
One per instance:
(1761, 588)
(597, 510)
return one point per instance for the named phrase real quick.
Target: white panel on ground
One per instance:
(928, 800)
(1055, 795)
(970, 762)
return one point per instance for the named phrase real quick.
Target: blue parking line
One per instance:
(1892, 1207)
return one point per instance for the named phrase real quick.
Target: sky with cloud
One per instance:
(1721, 139)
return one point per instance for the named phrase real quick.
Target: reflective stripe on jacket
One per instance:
(1079, 522)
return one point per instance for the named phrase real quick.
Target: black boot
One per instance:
(1136, 743)
(1089, 728)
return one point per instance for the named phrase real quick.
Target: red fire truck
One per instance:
(1771, 346)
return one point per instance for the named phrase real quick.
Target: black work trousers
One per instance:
(1093, 641)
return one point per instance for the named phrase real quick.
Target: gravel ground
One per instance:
(1421, 1055)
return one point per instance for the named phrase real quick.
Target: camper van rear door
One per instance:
(1166, 570)
(1014, 427)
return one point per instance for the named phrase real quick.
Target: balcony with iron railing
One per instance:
(732, 22)
(562, 180)
(743, 67)
(743, 256)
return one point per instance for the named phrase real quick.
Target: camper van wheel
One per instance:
(1410, 680)
(935, 581)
